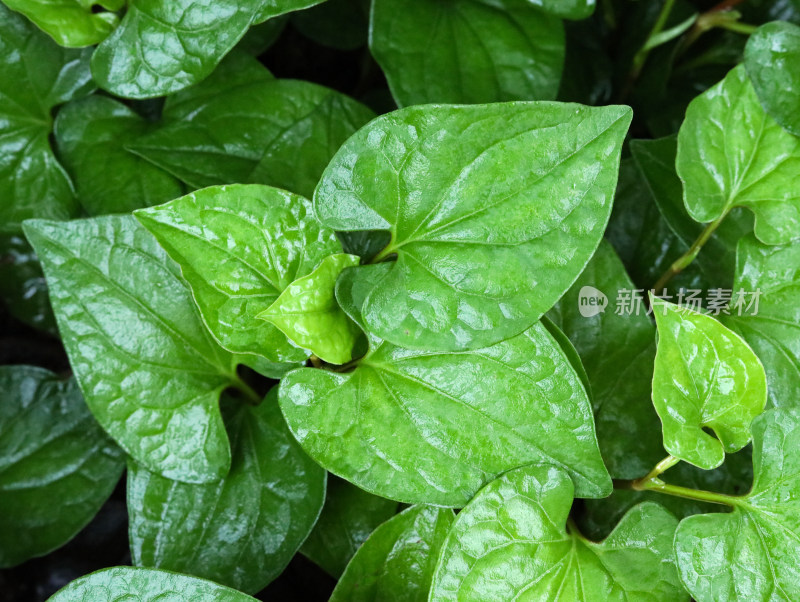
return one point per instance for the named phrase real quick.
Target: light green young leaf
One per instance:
(397, 561)
(145, 585)
(511, 542)
(349, 516)
(732, 154)
(705, 376)
(91, 135)
(771, 57)
(307, 312)
(71, 23)
(241, 531)
(433, 427)
(51, 449)
(770, 316)
(494, 210)
(150, 372)
(22, 284)
(751, 552)
(466, 51)
(39, 75)
(239, 248)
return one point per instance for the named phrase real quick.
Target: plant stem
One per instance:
(249, 393)
(315, 361)
(661, 467)
(689, 494)
(745, 28)
(641, 56)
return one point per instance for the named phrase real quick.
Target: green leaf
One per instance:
(51, 449)
(349, 516)
(308, 314)
(91, 135)
(433, 427)
(706, 377)
(511, 542)
(241, 531)
(40, 75)
(281, 133)
(617, 350)
(22, 284)
(772, 325)
(568, 9)
(145, 585)
(494, 210)
(771, 58)
(239, 248)
(150, 372)
(275, 8)
(340, 24)
(71, 23)
(750, 553)
(466, 51)
(732, 154)
(397, 561)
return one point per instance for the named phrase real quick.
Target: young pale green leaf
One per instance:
(771, 57)
(239, 248)
(307, 312)
(772, 325)
(568, 9)
(277, 132)
(706, 377)
(511, 542)
(22, 284)
(466, 51)
(751, 553)
(397, 561)
(145, 585)
(433, 427)
(91, 135)
(71, 23)
(349, 516)
(38, 75)
(732, 154)
(150, 372)
(494, 210)
(51, 449)
(616, 346)
(243, 530)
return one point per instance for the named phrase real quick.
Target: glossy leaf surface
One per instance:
(150, 372)
(397, 561)
(71, 23)
(466, 51)
(145, 585)
(732, 154)
(511, 542)
(239, 248)
(22, 284)
(240, 531)
(568, 9)
(51, 449)
(307, 312)
(706, 376)
(494, 210)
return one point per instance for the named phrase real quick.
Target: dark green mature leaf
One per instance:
(22, 284)
(512, 542)
(341, 24)
(239, 248)
(706, 377)
(145, 585)
(617, 348)
(433, 427)
(38, 75)
(466, 51)
(91, 135)
(397, 561)
(750, 553)
(732, 154)
(349, 516)
(243, 530)
(568, 9)
(772, 56)
(57, 466)
(771, 274)
(493, 210)
(71, 23)
(150, 372)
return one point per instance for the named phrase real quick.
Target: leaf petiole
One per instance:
(656, 484)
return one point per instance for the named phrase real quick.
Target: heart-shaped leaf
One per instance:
(71, 23)
(511, 542)
(493, 211)
(706, 377)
